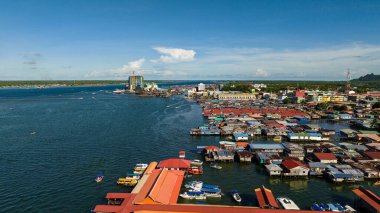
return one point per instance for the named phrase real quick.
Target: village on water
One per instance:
(284, 132)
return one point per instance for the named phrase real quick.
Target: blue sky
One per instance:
(244, 40)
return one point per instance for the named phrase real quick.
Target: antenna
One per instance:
(348, 80)
(133, 73)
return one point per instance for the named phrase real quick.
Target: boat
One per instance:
(236, 196)
(317, 207)
(277, 138)
(287, 203)
(215, 166)
(195, 195)
(119, 91)
(377, 183)
(194, 185)
(209, 192)
(127, 181)
(196, 162)
(141, 166)
(340, 207)
(99, 178)
(349, 209)
(332, 207)
(195, 170)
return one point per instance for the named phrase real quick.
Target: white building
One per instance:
(201, 87)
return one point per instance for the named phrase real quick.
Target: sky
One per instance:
(188, 40)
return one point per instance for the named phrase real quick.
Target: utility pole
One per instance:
(348, 81)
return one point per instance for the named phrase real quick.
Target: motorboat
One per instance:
(119, 91)
(350, 209)
(195, 170)
(287, 203)
(215, 166)
(236, 196)
(99, 178)
(193, 195)
(127, 181)
(141, 166)
(196, 185)
(277, 138)
(317, 207)
(196, 162)
(377, 183)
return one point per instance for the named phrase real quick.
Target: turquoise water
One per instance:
(54, 141)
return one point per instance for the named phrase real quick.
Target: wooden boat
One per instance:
(195, 195)
(196, 162)
(99, 178)
(287, 203)
(215, 166)
(236, 196)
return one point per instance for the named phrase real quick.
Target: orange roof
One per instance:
(265, 197)
(370, 136)
(107, 208)
(167, 187)
(369, 197)
(242, 144)
(150, 168)
(147, 186)
(211, 148)
(174, 163)
(290, 164)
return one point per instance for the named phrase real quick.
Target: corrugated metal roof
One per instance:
(265, 146)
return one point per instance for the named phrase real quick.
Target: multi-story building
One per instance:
(136, 82)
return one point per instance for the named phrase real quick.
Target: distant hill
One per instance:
(368, 77)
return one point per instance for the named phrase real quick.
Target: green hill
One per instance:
(368, 77)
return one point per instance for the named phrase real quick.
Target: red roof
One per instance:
(325, 156)
(174, 163)
(373, 155)
(290, 164)
(167, 187)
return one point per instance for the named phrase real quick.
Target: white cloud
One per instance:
(133, 65)
(174, 55)
(261, 73)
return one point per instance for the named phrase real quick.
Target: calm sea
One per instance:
(54, 141)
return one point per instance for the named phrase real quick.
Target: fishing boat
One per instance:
(287, 203)
(236, 196)
(215, 166)
(196, 162)
(99, 178)
(277, 138)
(195, 195)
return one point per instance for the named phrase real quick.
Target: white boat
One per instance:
(99, 178)
(287, 203)
(196, 162)
(236, 196)
(195, 185)
(119, 91)
(193, 195)
(215, 166)
(141, 166)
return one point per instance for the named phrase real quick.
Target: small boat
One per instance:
(277, 138)
(195, 170)
(340, 207)
(99, 178)
(196, 195)
(215, 166)
(332, 207)
(377, 183)
(349, 209)
(141, 166)
(287, 203)
(119, 91)
(236, 196)
(317, 207)
(194, 185)
(127, 181)
(196, 162)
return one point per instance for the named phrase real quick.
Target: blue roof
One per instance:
(240, 135)
(265, 146)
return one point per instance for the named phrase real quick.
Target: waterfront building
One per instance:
(317, 168)
(268, 158)
(174, 163)
(293, 150)
(136, 82)
(237, 96)
(257, 147)
(325, 158)
(244, 156)
(294, 168)
(273, 169)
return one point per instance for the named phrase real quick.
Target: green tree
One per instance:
(376, 105)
